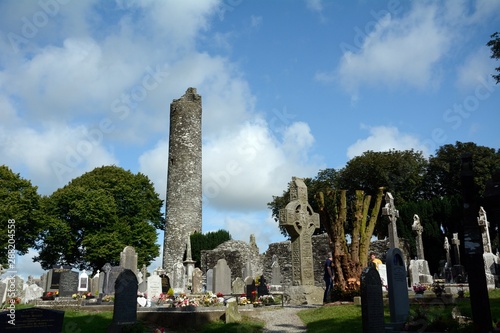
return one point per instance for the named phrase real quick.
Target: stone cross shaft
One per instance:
(456, 248)
(300, 222)
(417, 227)
(447, 249)
(392, 213)
(484, 225)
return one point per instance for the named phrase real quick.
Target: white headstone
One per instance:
(210, 280)
(83, 284)
(154, 287)
(178, 282)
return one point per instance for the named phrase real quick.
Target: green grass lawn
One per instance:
(347, 318)
(341, 318)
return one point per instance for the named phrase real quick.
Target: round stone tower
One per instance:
(184, 188)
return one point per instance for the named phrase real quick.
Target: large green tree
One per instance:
(96, 215)
(494, 44)
(20, 214)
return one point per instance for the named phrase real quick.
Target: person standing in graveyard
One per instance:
(328, 277)
(375, 261)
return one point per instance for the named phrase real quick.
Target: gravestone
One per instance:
(111, 279)
(300, 222)
(43, 281)
(83, 285)
(154, 289)
(232, 313)
(372, 304)
(251, 289)
(458, 270)
(68, 283)
(417, 227)
(392, 214)
(96, 289)
(247, 269)
(178, 277)
(3, 292)
(275, 272)
(397, 287)
(128, 259)
(238, 286)
(262, 287)
(490, 260)
(106, 269)
(165, 283)
(188, 264)
(222, 278)
(197, 286)
(210, 280)
(54, 276)
(125, 303)
(485, 231)
(143, 285)
(32, 320)
(419, 268)
(447, 267)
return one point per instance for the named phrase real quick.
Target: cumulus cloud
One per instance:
(384, 138)
(407, 51)
(397, 51)
(54, 155)
(475, 70)
(153, 163)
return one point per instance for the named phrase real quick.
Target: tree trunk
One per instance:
(348, 259)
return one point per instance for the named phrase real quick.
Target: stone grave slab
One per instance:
(32, 320)
(399, 306)
(125, 304)
(68, 283)
(372, 304)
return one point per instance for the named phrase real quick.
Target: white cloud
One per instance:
(314, 5)
(244, 169)
(55, 155)
(384, 138)
(398, 51)
(476, 69)
(153, 163)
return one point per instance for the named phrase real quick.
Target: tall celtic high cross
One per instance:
(300, 222)
(417, 227)
(392, 213)
(483, 225)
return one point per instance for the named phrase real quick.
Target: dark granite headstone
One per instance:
(32, 320)
(251, 289)
(165, 283)
(125, 304)
(262, 288)
(397, 286)
(68, 283)
(372, 304)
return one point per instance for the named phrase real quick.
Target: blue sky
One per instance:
(288, 88)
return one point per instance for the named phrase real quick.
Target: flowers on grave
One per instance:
(267, 299)
(419, 288)
(209, 299)
(159, 330)
(438, 288)
(108, 298)
(243, 300)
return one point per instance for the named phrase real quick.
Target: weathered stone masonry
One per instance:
(184, 181)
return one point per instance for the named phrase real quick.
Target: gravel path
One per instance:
(282, 319)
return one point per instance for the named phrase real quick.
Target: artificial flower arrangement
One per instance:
(243, 300)
(82, 296)
(438, 288)
(419, 288)
(108, 298)
(266, 299)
